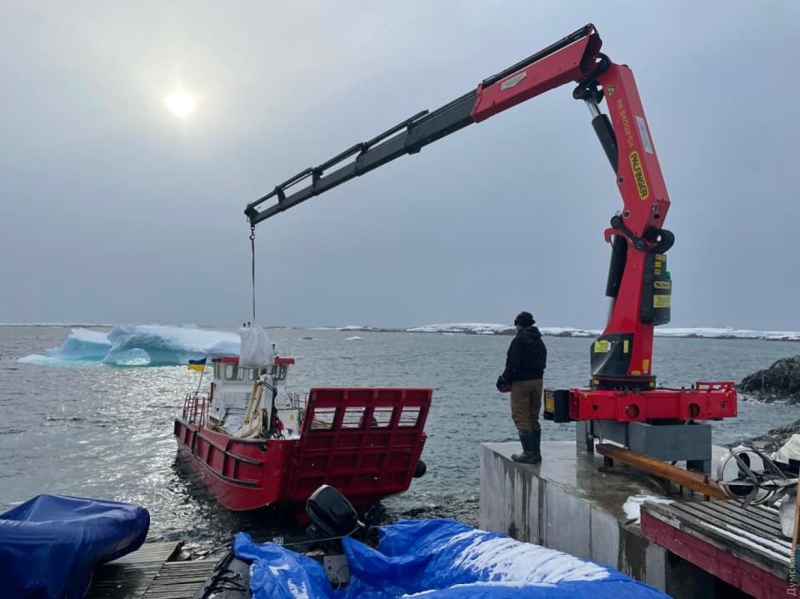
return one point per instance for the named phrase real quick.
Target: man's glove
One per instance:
(503, 386)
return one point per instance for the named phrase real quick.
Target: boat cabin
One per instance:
(232, 388)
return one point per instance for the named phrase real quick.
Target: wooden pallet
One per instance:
(742, 546)
(150, 573)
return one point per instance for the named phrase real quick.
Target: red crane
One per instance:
(622, 384)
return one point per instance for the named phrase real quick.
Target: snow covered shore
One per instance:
(473, 328)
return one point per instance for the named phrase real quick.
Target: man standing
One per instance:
(524, 373)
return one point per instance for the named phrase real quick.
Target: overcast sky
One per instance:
(115, 210)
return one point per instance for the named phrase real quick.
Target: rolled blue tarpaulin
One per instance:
(50, 544)
(442, 558)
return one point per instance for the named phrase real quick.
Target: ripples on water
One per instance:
(106, 432)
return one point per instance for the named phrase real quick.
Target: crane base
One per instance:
(667, 442)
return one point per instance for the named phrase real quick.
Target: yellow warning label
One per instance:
(638, 175)
(662, 301)
(662, 284)
(549, 403)
(625, 346)
(602, 346)
(611, 90)
(645, 366)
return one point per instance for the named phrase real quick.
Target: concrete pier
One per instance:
(572, 504)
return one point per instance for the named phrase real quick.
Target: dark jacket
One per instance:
(527, 356)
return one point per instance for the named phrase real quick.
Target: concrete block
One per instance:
(495, 501)
(567, 522)
(656, 566)
(672, 441)
(604, 538)
(569, 504)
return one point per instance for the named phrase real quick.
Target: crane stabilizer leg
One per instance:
(622, 403)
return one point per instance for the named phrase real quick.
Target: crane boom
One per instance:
(572, 58)
(638, 279)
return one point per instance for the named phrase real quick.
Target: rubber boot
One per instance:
(529, 448)
(536, 441)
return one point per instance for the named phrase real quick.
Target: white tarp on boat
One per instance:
(257, 350)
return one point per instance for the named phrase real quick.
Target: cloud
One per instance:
(116, 211)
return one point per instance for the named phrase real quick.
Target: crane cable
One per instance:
(253, 256)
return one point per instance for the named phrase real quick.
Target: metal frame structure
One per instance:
(622, 382)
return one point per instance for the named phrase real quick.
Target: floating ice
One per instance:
(140, 345)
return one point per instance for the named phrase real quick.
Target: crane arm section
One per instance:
(638, 280)
(573, 58)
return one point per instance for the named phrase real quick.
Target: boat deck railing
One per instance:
(195, 408)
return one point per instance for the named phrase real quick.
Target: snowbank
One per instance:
(684, 332)
(140, 345)
(727, 333)
(466, 327)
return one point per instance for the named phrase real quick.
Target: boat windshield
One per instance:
(232, 372)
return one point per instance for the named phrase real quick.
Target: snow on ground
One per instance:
(504, 560)
(727, 332)
(634, 504)
(471, 327)
(703, 332)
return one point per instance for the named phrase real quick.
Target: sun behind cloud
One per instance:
(182, 103)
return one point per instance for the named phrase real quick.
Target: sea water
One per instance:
(92, 429)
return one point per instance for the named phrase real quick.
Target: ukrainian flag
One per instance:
(197, 364)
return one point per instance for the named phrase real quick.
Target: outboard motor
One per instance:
(333, 515)
(333, 518)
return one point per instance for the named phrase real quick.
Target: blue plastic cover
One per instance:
(50, 544)
(442, 558)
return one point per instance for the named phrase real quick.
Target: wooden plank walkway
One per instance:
(743, 546)
(150, 573)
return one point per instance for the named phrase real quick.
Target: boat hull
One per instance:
(367, 458)
(241, 476)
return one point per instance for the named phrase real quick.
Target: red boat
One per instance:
(254, 444)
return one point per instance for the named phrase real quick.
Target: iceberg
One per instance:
(139, 345)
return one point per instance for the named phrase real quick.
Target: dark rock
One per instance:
(779, 381)
(771, 441)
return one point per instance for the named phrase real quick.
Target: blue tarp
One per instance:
(50, 544)
(442, 558)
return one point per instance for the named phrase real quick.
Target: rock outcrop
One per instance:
(771, 441)
(781, 381)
